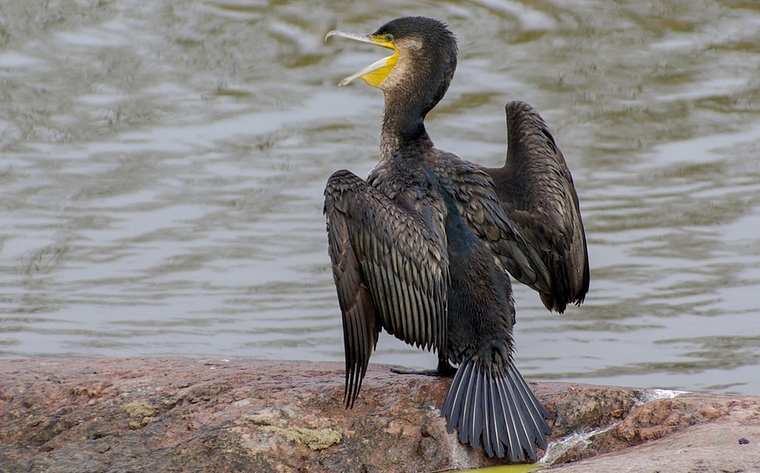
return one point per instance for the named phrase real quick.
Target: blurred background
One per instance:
(162, 167)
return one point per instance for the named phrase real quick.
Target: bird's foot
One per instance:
(425, 372)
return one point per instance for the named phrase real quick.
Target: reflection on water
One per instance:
(162, 169)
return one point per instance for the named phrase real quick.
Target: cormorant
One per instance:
(421, 248)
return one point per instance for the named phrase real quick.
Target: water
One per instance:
(162, 168)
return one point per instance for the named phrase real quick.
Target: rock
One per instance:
(691, 433)
(177, 415)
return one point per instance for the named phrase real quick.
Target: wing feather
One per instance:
(478, 203)
(537, 193)
(390, 271)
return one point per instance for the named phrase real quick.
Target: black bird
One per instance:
(421, 249)
(537, 193)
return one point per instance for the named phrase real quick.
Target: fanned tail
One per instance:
(484, 401)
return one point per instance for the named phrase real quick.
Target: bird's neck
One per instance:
(403, 127)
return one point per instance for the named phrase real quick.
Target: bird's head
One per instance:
(424, 55)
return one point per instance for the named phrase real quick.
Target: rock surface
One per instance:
(185, 415)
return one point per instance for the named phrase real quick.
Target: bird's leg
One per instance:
(444, 368)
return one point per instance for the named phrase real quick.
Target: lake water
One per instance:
(162, 167)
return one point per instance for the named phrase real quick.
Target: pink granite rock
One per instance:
(182, 415)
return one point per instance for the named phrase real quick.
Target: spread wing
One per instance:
(390, 271)
(537, 193)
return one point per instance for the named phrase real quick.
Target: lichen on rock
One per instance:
(140, 414)
(315, 439)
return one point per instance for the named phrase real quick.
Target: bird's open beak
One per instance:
(375, 73)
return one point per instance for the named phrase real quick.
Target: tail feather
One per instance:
(512, 416)
(500, 424)
(486, 402)
(533, 405)
(452, 406)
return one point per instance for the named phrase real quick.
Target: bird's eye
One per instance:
(389, 37)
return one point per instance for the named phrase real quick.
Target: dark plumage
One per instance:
(537, 193)
(421, 249)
